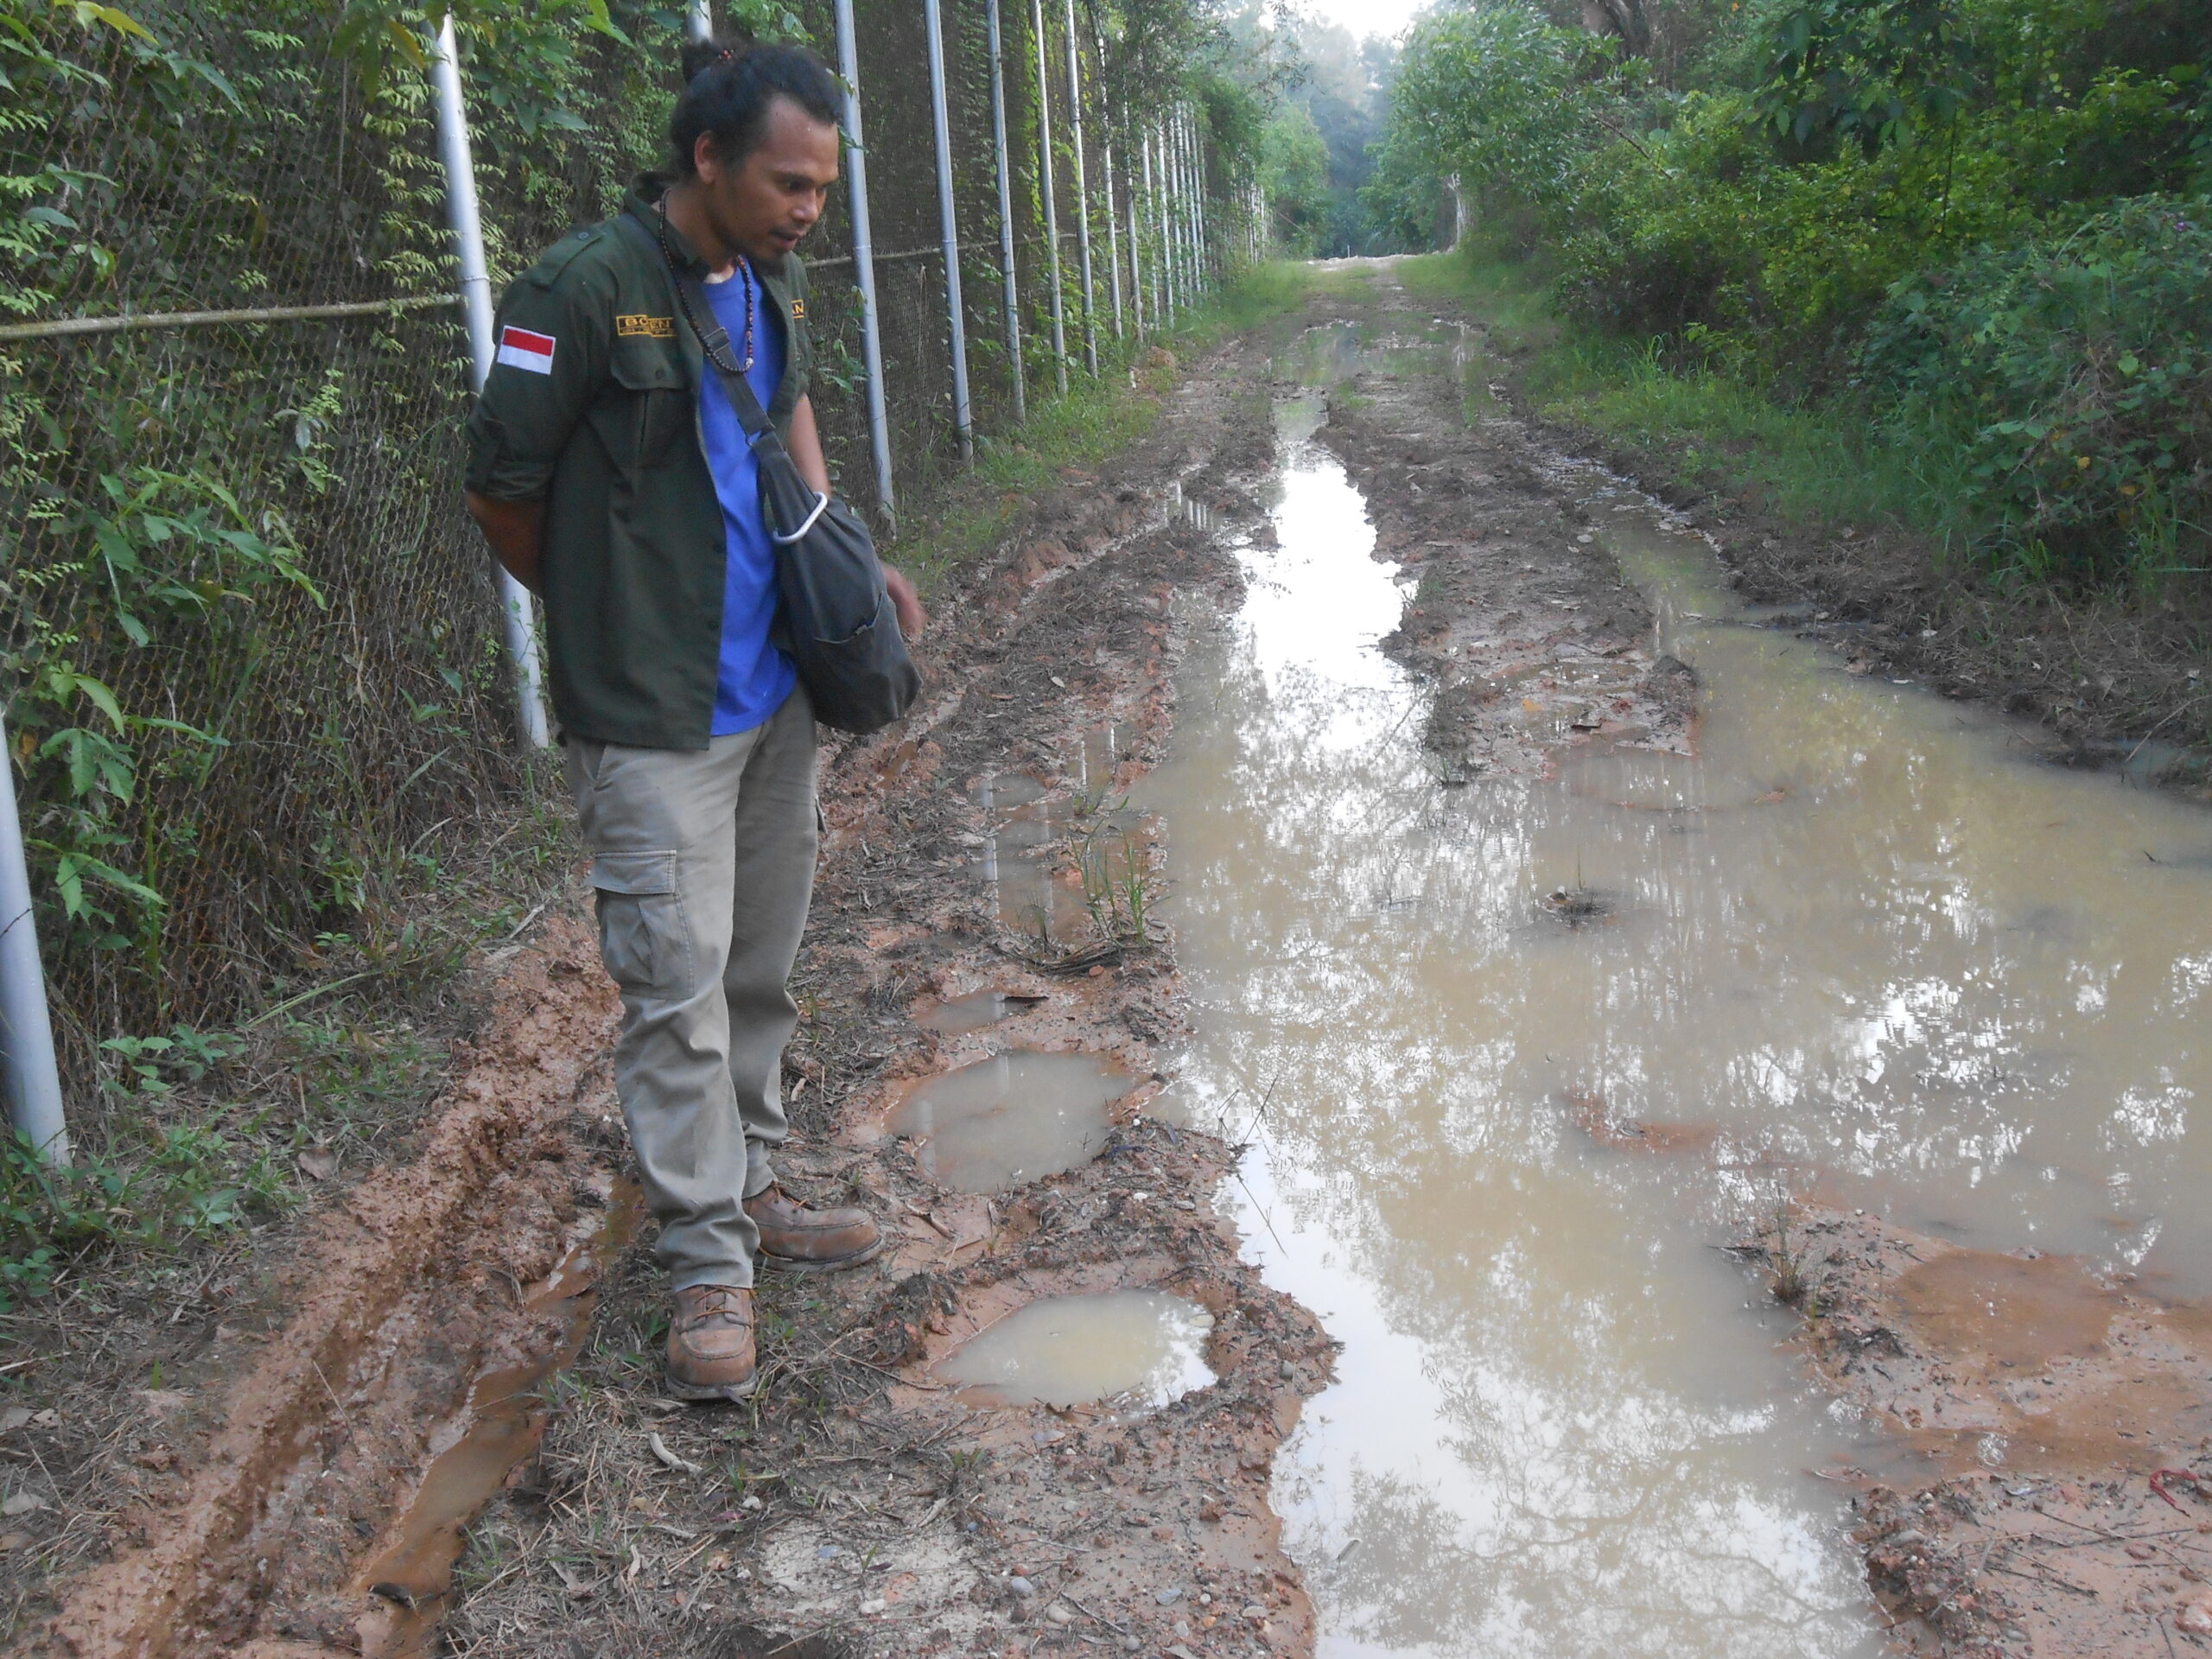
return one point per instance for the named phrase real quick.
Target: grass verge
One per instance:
(1809, 464)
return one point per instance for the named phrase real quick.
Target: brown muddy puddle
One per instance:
(1860, 933)
(1032, 890)
(411, 1575)
(1136, 1349)
(976, 1011)
(1010, 1119)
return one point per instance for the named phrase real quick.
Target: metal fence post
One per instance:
(1136, 246)
(1155, 188)
(476, 301)
(1006, 220)
(1162, 242)
(948, 227)
(1194, 276)
(1195, 249)
(878, 420)
(1106, 154)
(1207, 275)
(1209, 248)
(1171, 221)
(1082, 199)
(1171, 174)
(34, 1081)
(1113, 236)
(1052, 208)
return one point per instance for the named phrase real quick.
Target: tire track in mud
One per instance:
(413, 1289)
(859, 1509)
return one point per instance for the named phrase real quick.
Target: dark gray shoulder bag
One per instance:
(837, 620)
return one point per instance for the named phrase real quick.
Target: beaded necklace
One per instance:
(744, 274)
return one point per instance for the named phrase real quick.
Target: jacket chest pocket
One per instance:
(647, 412)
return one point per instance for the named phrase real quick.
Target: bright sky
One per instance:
(1365, 17)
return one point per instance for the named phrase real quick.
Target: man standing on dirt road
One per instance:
(611, 474)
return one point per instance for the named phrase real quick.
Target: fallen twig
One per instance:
(661, 1450)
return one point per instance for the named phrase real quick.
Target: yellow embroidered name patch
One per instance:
(798, 310)
(650, 327)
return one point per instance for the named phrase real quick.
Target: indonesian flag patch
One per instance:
(521, 349)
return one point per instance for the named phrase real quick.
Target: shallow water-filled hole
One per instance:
(1014, 1118)
(1142, 1348)
(1003, 790)
(976, 1010)
(500, 1426)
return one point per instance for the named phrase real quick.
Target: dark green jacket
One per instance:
(603, 427)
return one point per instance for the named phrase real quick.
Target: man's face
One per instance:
(762, 204)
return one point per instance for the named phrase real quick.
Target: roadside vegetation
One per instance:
(1940, 265)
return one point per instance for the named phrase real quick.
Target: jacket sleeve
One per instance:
(550, 350)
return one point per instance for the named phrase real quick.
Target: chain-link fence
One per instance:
(251, 650)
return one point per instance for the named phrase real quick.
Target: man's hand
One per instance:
(912, 619)
(512, 528)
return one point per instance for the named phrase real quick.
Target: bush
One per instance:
(1665, 232)
(2078, 372)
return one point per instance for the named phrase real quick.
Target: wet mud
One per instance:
(2050, 1423)
(1075, 1406)
(291, 1451)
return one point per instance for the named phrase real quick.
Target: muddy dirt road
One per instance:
(1445, 1087)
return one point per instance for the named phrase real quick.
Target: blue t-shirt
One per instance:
(755, 677)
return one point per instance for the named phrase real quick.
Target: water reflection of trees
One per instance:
(1880, 973)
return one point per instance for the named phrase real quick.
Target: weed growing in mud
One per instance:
(1787, 1278)
(1120, 899)
(205, 1133)
(190, 1185)
(1579, 904)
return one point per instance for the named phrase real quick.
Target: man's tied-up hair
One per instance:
(728, 85)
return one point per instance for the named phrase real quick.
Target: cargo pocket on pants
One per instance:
(641, 935)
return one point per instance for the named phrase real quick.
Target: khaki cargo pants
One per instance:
(704, 863)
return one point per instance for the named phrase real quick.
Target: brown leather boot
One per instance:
(795, 1239)
(710, 1343)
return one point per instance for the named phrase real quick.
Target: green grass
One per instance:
(1339, 281)
(1097, 418)
(200, 1140)
(1808, 463)
(1811, 463)
(1508, 294)
(195, 1140)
